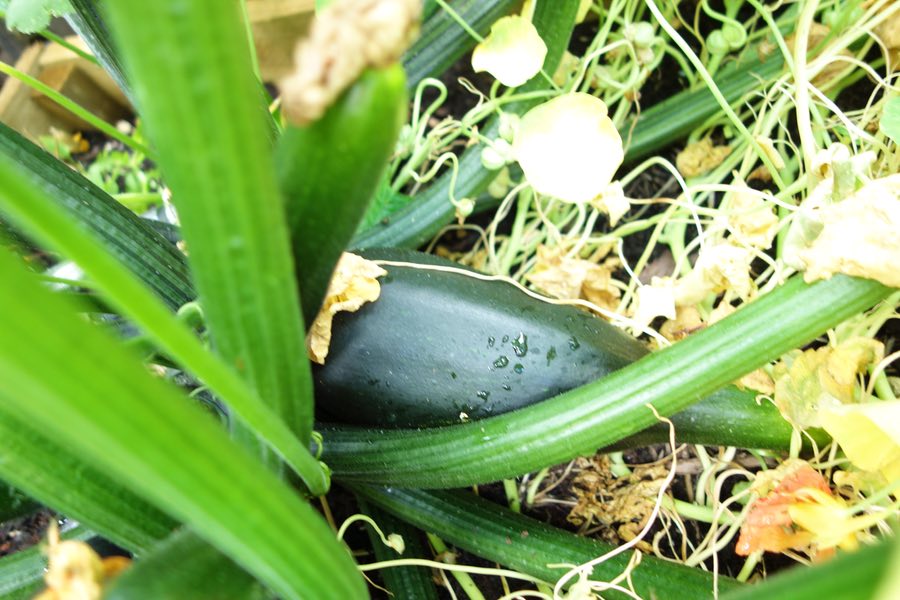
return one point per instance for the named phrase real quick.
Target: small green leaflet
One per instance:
(890, 119)
(30, 16)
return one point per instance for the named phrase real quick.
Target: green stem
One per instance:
(512, 495)
(463, 579)
(75, 108)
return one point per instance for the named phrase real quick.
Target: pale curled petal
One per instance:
(869, 435)
(654, 300)
(568, 147)
(809, 383)
(859, 236)
(353, 284)
(513, 52)
(751, 219)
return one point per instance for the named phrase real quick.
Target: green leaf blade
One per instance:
(192, 76)
(41, 215)
(41, 467)
(184, 565)
(99, 402)
(147, 254)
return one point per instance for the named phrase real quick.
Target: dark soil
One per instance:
(22, 533)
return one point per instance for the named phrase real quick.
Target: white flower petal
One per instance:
(568, 147)
(513, 52)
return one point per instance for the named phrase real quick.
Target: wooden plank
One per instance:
(55, 54)
(72, 80)
(17, 109)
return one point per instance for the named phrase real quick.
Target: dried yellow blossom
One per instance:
(687, 320)
(570, 278)
(75, 571)
(758, 381)
(345, 38)
(752, 220)
(768, 525)
(700, 157)
(858, 236)
(810, 382)
(828, 519)
(655, 300)
(719, 268)
(353, 284)
(613, 202)
(513, 52)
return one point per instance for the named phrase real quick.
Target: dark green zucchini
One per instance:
(436, 345)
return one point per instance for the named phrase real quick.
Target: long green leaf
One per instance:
(85, 19)
(603, 412)
(190, 66)
(184, 566)
(98, 402)
(850, 576)
(522, 543)
(37, 212)
(157, 262)
(96, 399)
(404, 583)
(38, 465)
(22, 573)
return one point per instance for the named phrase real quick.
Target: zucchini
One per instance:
(438, 344)
(329, 170)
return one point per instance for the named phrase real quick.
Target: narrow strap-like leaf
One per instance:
(404, 583)
(850, 576)
(37, 213)
(184, 566)
(157, 262)
(97, 400)
(192, 74)
(530, 546)
(85, 19)
(41, 467)
(601, 413)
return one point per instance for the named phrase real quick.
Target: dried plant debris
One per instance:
(346, 38)
(619, 506)
(75, 571)
(354, 283)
